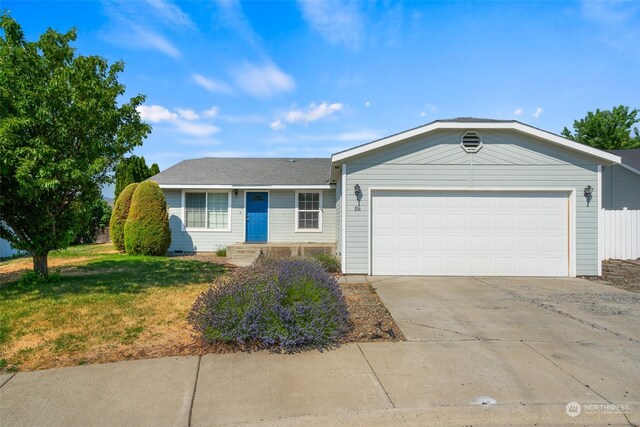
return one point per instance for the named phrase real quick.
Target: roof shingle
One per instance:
(247, 171)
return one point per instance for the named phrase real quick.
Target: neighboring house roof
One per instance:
(630, 158)
(476, 123)
(238, 172)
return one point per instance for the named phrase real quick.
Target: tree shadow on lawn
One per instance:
(124, 275)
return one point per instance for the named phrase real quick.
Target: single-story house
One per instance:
(621, 182)
(463, 196)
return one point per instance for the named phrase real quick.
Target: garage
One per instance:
(485, 233)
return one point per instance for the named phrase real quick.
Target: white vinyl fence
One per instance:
(620, 234)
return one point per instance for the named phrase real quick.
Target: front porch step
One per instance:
(244, 254)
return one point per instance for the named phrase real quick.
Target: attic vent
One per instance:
(471, 141)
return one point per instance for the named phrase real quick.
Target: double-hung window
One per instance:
(208, 210)
(309, 211)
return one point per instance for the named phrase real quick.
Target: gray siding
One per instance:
(282, 219)
(281, 223)
(620, 188)
(507, 159)
(203, 241)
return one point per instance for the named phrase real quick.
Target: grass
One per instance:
(102, 306)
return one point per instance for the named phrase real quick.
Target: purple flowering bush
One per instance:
(285, 303)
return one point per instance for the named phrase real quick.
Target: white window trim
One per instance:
(200, 229)
(309, 230)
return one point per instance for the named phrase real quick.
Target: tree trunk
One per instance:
(40, 264)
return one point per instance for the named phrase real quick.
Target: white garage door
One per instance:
(470, 233)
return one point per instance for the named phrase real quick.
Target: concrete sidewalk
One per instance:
(411, 383)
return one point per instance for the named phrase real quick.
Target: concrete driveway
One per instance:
(527, 340)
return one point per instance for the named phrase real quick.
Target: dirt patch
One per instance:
(622, 274)
(206, 257)
(10, 272)
(370, 318)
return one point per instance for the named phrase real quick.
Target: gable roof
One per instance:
(630, 158)
(475, 123)
(237, 172)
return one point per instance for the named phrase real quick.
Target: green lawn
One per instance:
(103, 306)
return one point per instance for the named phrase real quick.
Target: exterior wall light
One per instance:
(588, 193)
(235, 192)
(358, 192)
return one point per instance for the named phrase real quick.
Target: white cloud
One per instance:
(155, 113)
(210, 84)
(171, 13)
(132, 26)
(518, 112)
(313, 112)
(367, 104)
(196, 129)
(263, 81)
(339, 22)
(538, 112)
(277, 125)
(230, 15)
(185, 121)
(211, 112)
(188, 114)
(422, 114)
(146, 38)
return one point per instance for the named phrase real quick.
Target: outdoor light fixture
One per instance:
(358, 193)
(235, 192)
(588, 190)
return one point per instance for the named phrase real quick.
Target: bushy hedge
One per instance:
(119, 215)
(281, 303)
(146, 231)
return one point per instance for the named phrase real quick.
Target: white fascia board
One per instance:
(246, 187)
(603, 155)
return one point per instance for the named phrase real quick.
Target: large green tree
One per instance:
(133, 169)
(608, 129)
(62, 130)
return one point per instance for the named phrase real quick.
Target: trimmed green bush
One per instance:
(146, 231)
(329, 261)
(119, 215)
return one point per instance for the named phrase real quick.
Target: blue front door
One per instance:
(257, 216)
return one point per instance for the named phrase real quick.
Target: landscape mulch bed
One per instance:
(622, 274)
(370, 321)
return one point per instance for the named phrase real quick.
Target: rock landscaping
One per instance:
(623, 274)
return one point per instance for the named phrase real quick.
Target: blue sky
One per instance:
(284, 79)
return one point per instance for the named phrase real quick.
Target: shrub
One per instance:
(329, 261)
(280, 303)
(146, 231)
(119, 216)
(221, 252)
(100, 216)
